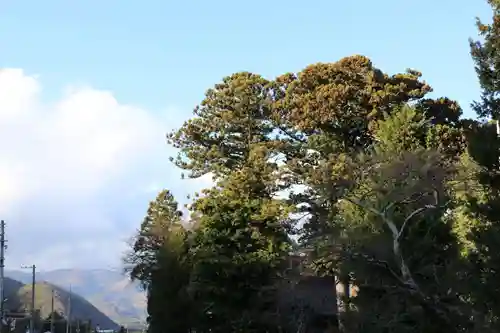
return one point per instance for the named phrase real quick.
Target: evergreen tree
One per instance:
(239, 250)
(399, 210)
(398, 200)
(486, 56)
(485, 147)
(233, 116)
(159, 260)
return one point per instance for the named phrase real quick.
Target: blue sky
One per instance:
(156, 53)
(160, 57)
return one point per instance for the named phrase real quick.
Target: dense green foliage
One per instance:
(160, 263)
(391, 193)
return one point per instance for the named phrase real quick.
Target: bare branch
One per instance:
(405, 271)
(409, 217)
(411, 199)
(381, 263)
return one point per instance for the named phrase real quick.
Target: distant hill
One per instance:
(18, 299)
(11, 288)
(80, 307)
(109, 291)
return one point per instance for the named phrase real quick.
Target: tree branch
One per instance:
(406, 278)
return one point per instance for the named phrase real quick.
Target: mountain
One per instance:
(109, 291)
(11, 288)
(18, 299)
(80, 307)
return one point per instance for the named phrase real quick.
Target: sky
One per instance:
(89, 88)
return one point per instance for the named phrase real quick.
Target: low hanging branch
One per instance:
(396, 235)
(400, 189)
(406, 278)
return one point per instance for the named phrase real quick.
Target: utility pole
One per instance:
(497, 124)
(68, 316)
(52, 312)
(2, 278)
(33, 282)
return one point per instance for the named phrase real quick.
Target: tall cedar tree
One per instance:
(485, 54)
(485, 258)
(241, 240)
(233, 116)
(239, 250)
(159, 261)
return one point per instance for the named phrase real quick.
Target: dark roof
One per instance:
(312, 293)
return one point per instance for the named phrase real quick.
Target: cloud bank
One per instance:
(76, 175)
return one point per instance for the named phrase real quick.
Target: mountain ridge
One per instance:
(19, 297)
(109, 290)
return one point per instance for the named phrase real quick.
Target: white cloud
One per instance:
(76, 175)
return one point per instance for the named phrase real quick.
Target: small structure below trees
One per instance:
(307, 302)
